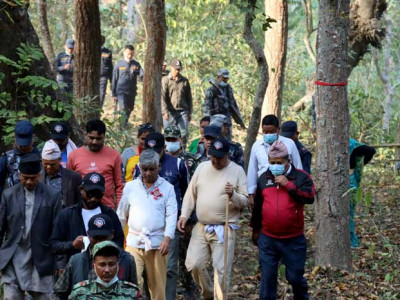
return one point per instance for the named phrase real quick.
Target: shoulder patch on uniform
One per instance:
(122, 68)
(105, 55)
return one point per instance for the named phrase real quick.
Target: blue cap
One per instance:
(219, 148)
(288, 128)
(23, 133)
(70, 43)
(212, 130)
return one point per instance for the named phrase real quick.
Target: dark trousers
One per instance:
(126, 103)
(103, 88)
(292, 252)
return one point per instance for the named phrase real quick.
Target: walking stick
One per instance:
(226, 233)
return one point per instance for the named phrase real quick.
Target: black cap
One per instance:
(155, 141)
(100, 225)
(59, 131)
(212, 130)
(219, 148)
(23, 133)
(30, 164)
(288, 128)
(176, 64)
(93, 181)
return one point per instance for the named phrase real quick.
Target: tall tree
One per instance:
(332, 124)
(275, 47)
(257, 50)
(45, 33)
(87, 59)
(156, 39)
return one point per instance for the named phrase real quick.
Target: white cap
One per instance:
(51, 151)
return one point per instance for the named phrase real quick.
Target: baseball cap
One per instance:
(219, 148)
(93, 181)
(59, 131)
(155, 141)
(23, 133)
(172, 131)
(100, 225)
(176, 63)
(212, 130)
(219, 120)
(70, 43)
(288, 128)
(103, 245)
(223, 72)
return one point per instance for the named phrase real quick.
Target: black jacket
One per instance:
(69, 225)
(106, 67)
(46, 207)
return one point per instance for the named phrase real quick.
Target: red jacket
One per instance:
(279, 211)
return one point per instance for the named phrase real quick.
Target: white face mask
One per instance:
(107, 284)
(173, 146)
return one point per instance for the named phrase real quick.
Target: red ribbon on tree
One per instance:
(330, 84)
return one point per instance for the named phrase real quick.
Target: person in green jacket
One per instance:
(204, 122)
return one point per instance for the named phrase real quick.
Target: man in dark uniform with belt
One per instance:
(289, 130)
(106, 70)
(65, 66)
(124, 81)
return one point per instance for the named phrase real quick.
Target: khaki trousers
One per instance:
(156, 271)
(202, 247)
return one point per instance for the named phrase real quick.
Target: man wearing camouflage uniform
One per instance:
(220, 100)
(107, 285)
(9, 161)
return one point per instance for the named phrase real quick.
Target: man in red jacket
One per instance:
(278, 222)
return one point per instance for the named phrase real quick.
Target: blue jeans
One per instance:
(179, 118)
(172, 268)
(292, 252)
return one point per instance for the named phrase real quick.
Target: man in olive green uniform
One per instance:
(106, 286)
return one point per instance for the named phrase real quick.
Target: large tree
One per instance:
(332, 124)
(155, 52)
(44, 31)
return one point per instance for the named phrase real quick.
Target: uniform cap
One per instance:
(223, 72)
(155, 141)
(51, 151)
(100, 225)
(30, 164)
(103, 245)
(70, 43)
(219, 148)
(278, 149)
(23, 133)
(219, 120)
(288, 128)
(172, 131)
(59, 131)
(93, 181)
(176, 64)
(212, 131)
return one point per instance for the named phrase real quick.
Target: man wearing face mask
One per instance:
(278, 222)
(71, 226)
(107, 285)
(220, 100)
(258, 163)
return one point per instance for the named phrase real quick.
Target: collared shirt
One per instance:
(29, 201)
(55, 181)
(258, 163)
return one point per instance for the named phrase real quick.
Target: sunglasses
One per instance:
(146, 126)
(96, 194)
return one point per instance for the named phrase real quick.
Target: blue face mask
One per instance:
(173, 146)
(270, 138)
(223, 84)
(277, 169)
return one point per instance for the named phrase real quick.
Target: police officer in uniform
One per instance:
(106, 70)
(289, 130)
(65, 66)
(220, 100)
(124, 81)
(9, 161)
(107, 285)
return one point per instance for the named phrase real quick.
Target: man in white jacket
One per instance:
(148, 203)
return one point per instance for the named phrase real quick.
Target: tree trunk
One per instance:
(87, 59)
(332, 124)
(155, 51)
(45, 34)
(255, 119)
(275, 52)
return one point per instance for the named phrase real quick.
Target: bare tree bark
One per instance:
(332, 124)
(258, 52)
(155, 51)
(45, 34)
(87, 58)
(275, 49)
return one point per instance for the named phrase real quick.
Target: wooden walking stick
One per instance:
(226, 239)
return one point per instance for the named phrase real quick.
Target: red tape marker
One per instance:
(330, 84)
